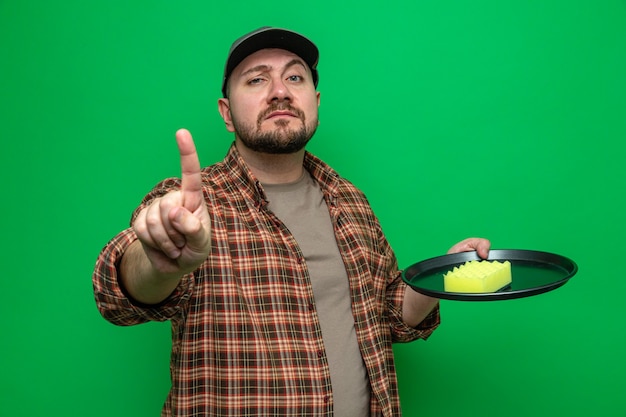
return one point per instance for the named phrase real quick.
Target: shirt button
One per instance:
(311, 307)
(326, 398)
(320, 353)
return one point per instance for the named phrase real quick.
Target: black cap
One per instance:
(269, 37)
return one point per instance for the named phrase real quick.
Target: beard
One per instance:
(283, 139)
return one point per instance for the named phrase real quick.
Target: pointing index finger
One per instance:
(190, 171)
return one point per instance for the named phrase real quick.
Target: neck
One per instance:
(272, 168)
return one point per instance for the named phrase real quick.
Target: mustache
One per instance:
(280, 107)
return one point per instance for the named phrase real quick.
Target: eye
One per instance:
(295, 78)
(255, 80)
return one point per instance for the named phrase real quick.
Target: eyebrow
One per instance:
(265, 68)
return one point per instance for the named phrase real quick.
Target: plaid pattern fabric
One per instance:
(246, 340)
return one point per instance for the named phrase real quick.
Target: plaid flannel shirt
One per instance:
(246, 340)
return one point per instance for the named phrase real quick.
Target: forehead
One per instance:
(274, 58)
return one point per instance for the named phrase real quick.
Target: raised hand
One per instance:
(175, 230)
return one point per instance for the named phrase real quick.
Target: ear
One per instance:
(223, 105)
(318, 106)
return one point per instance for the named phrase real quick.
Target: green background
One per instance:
(502, 119)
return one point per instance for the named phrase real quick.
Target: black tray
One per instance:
(532, 273)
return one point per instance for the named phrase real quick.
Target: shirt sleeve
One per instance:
(396, 288)
(400, 331)
(113, 301)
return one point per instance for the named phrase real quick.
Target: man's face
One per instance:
(272, 105)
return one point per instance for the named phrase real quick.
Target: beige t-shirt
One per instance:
(302, 208)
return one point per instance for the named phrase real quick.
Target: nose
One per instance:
(279, 90)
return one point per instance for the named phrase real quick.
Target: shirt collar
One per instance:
(245, 181)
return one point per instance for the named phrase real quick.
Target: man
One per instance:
(283, 293)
